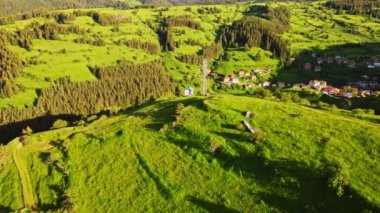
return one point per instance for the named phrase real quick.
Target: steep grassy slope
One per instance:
(194, 155)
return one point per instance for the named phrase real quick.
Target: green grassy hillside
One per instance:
(195, 155)
(314, 28)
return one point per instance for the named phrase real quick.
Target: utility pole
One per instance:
(204, 83)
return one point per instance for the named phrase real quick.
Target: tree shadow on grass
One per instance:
(209, 206)
(164, 111)
(5, 209)
(163, 187)
(234, 136)
(299, 187)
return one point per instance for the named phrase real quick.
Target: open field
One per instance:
(201, 159)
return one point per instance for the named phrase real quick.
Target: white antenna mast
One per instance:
(204, 70)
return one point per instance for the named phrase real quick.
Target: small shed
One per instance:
(189, 91)
(307, 66)
(317, 69)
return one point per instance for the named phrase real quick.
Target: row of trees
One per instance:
(109, 19)
(370, 7)
(10, 7)
(35, 30)
(183, 20)
(165, 31)
(150, 47)
(10, 67)
(213, 51)
(124, 85)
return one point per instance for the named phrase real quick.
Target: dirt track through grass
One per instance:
(30, 199)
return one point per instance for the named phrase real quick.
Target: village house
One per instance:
(347, 94)
(330, 60)
(317, 69)
(366, 77)
(231, 80)
(257, 71)
(365, 93)
(330, 90)
(362, 84)
(373, 85)
(345, 60)
(253, 78)
(351, 64)
(243, 74)
(317, 84)
(307, 66)
(371, 66)
(265, 84)
(189, 91)
(249, 86)
(339, 59)
(280, 84)
(320, 61)
(377, 64)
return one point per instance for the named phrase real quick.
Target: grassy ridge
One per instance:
(160, 157)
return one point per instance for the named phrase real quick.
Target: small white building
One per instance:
(280, 84)
(371, 66)
(189, 91)
(266, 84)
(348, 94)
(376, 64)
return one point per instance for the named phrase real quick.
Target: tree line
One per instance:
(124, 85)
(10, 7)
(213, 51)
(368, 7)
(259, 32)
(183, 20)
(150, 47)
(10, 67)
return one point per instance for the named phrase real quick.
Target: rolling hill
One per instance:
(195, 155)
(92, 118)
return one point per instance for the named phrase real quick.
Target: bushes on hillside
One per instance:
(10, 67)
(108, 19)
(338, 177)
(150, 47)
(183, 20)
(369, 7)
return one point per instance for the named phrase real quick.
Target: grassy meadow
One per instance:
(193, 155)
(314, 28)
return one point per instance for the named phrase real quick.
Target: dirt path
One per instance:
(30, 199)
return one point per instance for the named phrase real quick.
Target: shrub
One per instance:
(258, 137)
(358, 111)
(27, 131)
(59, 124)
(214, 146)
(240, 126)
(338, 177)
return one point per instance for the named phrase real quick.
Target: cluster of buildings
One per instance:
(328, 60)
(330, 90)
(244, 76)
